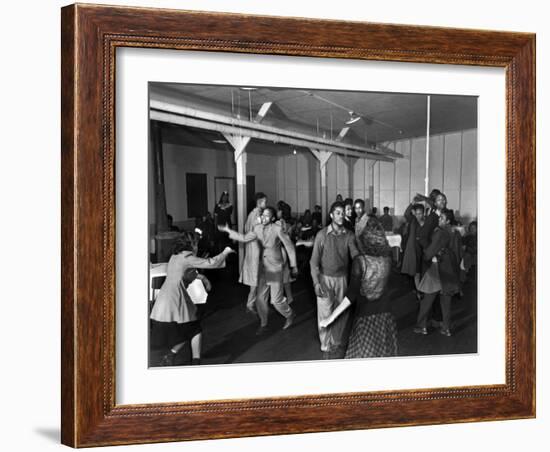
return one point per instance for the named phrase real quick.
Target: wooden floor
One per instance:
(229, 332)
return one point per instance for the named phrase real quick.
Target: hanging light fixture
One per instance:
(353, 118)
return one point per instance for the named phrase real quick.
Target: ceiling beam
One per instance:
(267, 136)
(168, 107)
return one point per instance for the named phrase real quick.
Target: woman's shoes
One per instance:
(420, 330)
(445, 332)
(168, 359)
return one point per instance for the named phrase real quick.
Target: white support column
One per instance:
(427, 179)
(372, 163)
(323, 157)
(239, 145)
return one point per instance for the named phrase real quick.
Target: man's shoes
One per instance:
(420, 330)
(445, 332)
(262, 329)
(289, 321)
(196, 362)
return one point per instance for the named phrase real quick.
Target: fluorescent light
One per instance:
(353, 118)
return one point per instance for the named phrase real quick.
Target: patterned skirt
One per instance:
(373, 336)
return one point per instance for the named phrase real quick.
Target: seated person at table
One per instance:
(317, 215)
(170, 224)
(387, 220)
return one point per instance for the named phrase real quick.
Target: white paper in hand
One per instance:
(197, 292)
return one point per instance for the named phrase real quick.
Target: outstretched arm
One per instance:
(237, 236)
(420, 197)
(211, 262)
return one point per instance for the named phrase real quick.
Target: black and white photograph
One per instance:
(296, 224)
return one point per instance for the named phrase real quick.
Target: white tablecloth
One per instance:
(155, 271)
(393, 239)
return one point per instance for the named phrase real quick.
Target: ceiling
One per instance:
(384, 116)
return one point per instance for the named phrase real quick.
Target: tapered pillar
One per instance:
(239, 144)
(323, 157)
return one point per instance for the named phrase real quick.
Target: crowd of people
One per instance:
(350, 263)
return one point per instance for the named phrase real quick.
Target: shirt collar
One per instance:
(330, 230)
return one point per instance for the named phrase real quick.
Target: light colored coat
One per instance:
(271, 238)
(173, 303)
(249, 271)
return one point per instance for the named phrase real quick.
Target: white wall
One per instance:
(453, 165)
(181, 159)
(452, 169)
(265, 171)
(298, 180)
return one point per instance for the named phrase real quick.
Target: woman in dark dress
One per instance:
(440, 276)
(412, 253)
(374, 330)
(222, 217)
(223, 211)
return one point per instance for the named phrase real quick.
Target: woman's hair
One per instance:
(186, 242)
(418, 207)
(449, 215)
(285, 213)
(373, 239)
(434, 193)
(273, 212)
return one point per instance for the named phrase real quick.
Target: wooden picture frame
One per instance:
(90, 37)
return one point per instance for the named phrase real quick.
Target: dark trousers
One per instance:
(426, 307)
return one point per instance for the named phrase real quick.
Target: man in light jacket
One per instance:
(251, 261)
(271, 238)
